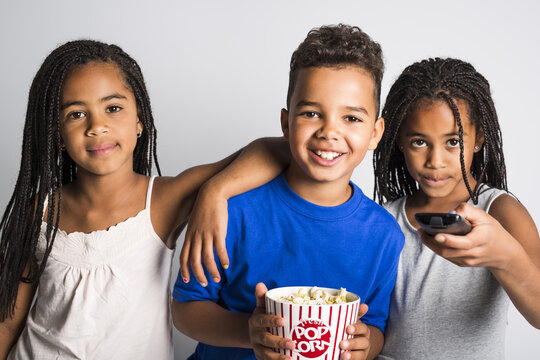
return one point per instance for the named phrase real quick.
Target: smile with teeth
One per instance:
(327, 155)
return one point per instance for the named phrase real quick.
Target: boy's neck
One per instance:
(322, 193)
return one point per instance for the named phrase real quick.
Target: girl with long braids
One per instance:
(441, 148)
(87, 226)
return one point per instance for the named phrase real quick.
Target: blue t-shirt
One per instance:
(276, 237)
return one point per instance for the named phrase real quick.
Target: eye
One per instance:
(352, 118)
(418, 143)
(75, 115)
(453, 143)
(309, 114)
(114, 109)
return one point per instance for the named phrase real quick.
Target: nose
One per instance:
(329, 129)
(97, 125)
(435, 158)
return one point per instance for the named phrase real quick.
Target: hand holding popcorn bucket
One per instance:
(316, 323)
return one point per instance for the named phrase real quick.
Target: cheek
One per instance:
(299, 134)
(413, 161)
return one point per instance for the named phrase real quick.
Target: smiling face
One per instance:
(98, 119)
(331, 123)
(430, 143)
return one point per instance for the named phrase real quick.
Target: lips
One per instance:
(101, 149)
(326, 157)
(434, 180)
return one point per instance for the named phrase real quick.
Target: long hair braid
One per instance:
(45, 168)
(447, 80)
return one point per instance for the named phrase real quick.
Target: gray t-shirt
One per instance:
(439, 310)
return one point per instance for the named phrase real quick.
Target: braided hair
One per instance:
(447, 80)
(45, 168)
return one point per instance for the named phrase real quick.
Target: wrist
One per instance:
(215, 189)
(512, 260)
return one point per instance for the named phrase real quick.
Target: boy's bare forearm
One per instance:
(217, 327)
(376, 338)
(259, 162)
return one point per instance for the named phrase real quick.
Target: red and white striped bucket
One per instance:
(317, 330)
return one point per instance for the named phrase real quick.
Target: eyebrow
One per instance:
(312, 103)
(105, 99)
(409, 134)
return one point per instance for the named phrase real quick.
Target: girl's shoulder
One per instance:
(395, 206)
(507, 209)
(168, 189)
(515, 219)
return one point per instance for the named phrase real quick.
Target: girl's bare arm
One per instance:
(174, 197)
(519, 268)
(505, 241)
(11, 328)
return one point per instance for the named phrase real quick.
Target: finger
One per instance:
(195, 260)
(358, 343)
(260, 292)
(358, 329)
(446, 241)
(268, 340)
(459, 257)
(208, 258)
(455, 242)
(355, 355)
(184, 259)
(362, 310)
(261, 320)
(221, 249)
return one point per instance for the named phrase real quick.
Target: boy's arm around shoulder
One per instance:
(174, 197)
(11, 328)
(259, 163)
(518, 270)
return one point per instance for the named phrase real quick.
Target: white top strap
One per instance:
(149, 193)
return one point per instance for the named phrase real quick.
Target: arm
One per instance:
(367, 342)
(507, 243)
(174, 196)
(260, 162)
(519, 269)
(207, 322)
(11, 328)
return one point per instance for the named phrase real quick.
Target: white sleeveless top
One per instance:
(438, 310)
(103, 295)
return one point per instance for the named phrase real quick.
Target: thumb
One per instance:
(362, 310)
(260, 291)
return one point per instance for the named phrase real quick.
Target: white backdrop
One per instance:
(217, 75)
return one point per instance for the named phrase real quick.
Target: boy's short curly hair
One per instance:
(338, 46)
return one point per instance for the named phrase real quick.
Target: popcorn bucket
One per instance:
(316, 330)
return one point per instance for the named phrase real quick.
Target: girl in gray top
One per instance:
(442, 147)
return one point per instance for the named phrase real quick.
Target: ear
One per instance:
(377, 134)
(285, 123)
(140, 126)
(479, 142)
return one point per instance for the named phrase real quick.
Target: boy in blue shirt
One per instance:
(310, 225)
